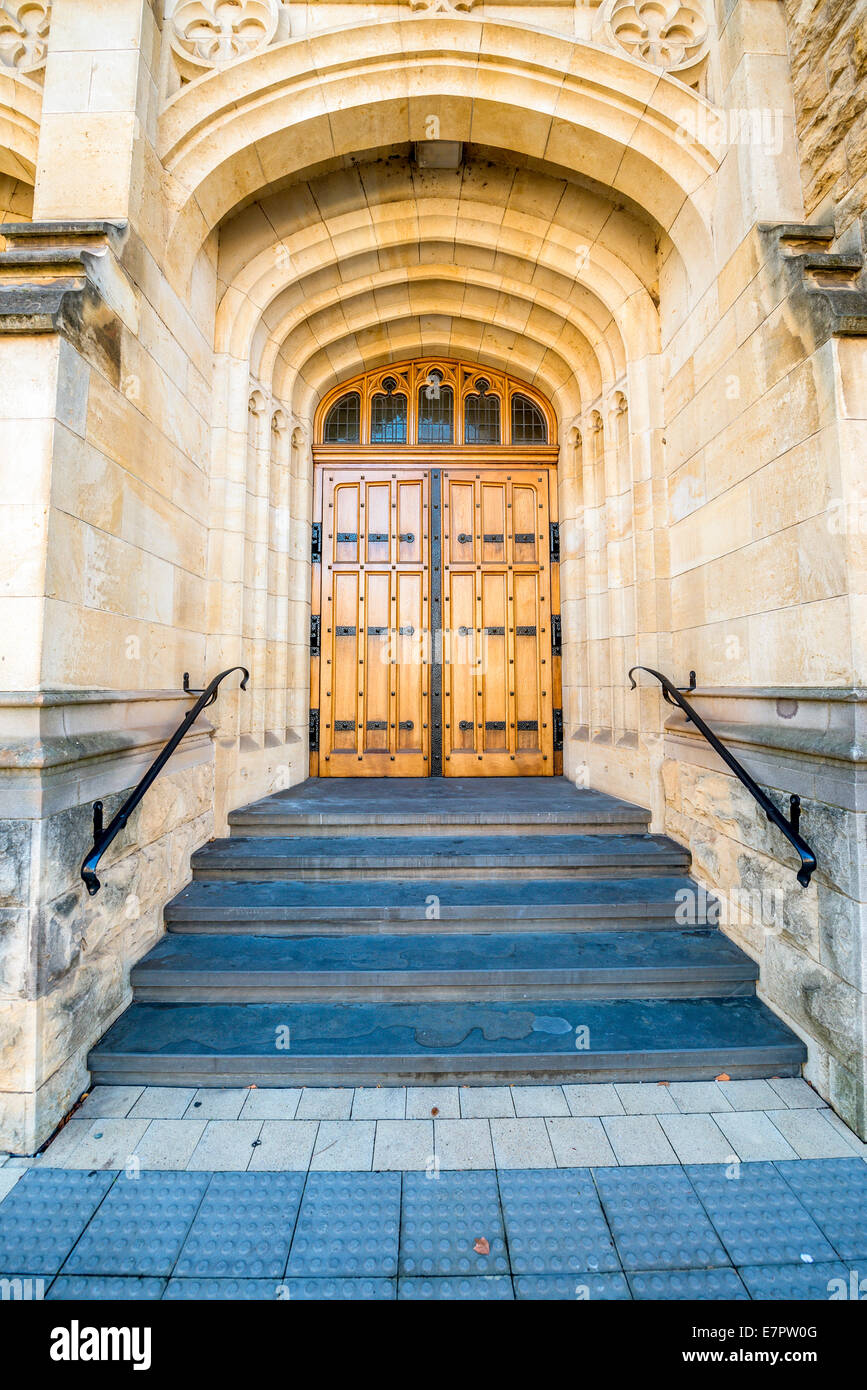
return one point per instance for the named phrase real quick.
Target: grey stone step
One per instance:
(354, 1043)
(444, 965)
(415, 805)
(292, 906)
(439, 856)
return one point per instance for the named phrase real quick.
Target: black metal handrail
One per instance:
(103, 835)
(789, 827)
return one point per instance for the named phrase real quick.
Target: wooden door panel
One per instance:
(375, 594)
(498, 717)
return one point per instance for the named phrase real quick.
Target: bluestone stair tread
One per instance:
(584, 956)
(488, 851)
(390, 899)
(455, 801)
(420, 1036)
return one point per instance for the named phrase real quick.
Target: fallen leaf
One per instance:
(435, 1110)
(663, 1083)
(481, 1246)
(723, 1076)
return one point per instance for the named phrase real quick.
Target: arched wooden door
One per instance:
(435, 636)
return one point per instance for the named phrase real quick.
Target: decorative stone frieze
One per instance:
(663, 33)
(24, 26)
(208, 34)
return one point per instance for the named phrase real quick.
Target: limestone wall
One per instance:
(828, 49)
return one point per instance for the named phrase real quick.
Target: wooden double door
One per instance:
(435, 635)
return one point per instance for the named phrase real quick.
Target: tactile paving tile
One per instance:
(348, 1225)
(703, 1285)
(657, 1220)
(798, 1282)
(346, 1290)
(108, 1289)
(211, 1290)
(490, 1288)
(554, 1222)
(834, 1191)
(442, 1218)
(757, 1216)
(573, 1288)
(243, 1229)
(141, 1225)
(44, 1215)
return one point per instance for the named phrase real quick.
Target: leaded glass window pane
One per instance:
(436, 411)
(343, 421)
(388, 416)
(482, 416)
(528, 422)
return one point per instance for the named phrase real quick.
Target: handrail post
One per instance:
(103, 835)
(791, 827)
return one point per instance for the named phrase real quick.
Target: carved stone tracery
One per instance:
(208, 34)
(664, 33)
(24, 28)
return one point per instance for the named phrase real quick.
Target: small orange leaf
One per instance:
(435, 1110)
(663, 1083)
(481, 1246)
(723, 1076)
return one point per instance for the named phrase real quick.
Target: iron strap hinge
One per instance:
(315, 623)
(558, 730)
(316, 543)
(554, 528)
(314, 731)
(556, 635)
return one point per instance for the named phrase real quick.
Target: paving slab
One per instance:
(44, 1215)
(463, 1144)
(593, 1098)
(555, 1223)
(810, 1134)
(834, 1192)
(580, 1142)
(379, 1103)
(703, 1097)
(569, 1288)
(243, 1228)
(212, 1290)
(645, 1098)
(271, 1103)
(797, 1093)
(341, 1290)
(140, 1226)
(539, 1100)
(403, 1144)
(442, 1217)
(62, 1147)
(638, 1139)
(482, 1102)
(343, 1145)
(217, 1103)
(104, 1101)
(696, 1138)
(82, 1288)
(163, 1102)
(522, 1144)
(225, 1146)
(348, 1226)
(754, 1137)
(169, 1143)
(657, 1220)
(421, 1101)
(748, 1095)
(818, 1283)
(110, 1143)
(325, 1103)
(491, 1289)
(757, 1215)
(8, 1178)
(700, 1285)
(284, 1146)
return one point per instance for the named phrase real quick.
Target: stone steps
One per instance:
(278, 1044)
(293, 906)
(438, 856)
(350, 933)
(443, 965)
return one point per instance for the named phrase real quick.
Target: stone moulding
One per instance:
(827, 289)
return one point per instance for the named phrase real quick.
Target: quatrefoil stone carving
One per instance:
(664, 33)
(23, 32)
(211, 33)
